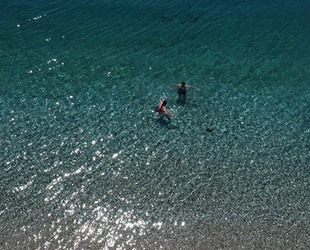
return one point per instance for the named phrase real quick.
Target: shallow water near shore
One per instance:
(86, 162)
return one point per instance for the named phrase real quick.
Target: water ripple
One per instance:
(86, 161)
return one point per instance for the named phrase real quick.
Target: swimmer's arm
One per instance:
(170, 113)
(187, 86)
(174, 85)
(166, 112)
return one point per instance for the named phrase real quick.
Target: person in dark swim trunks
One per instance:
(162, 109)
(182, 89)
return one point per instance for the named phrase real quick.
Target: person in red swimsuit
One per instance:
(162, 109)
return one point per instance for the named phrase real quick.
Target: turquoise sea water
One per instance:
(86, 163)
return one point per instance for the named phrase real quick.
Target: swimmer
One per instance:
(162, 109)
(182, 90)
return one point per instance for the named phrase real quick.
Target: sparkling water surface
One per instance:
(86, 162)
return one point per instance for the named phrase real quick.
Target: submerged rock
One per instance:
(209, 128)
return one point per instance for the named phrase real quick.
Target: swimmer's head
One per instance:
(164, 102)
(183, 84)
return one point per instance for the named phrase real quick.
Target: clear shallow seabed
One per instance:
(86, 163)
